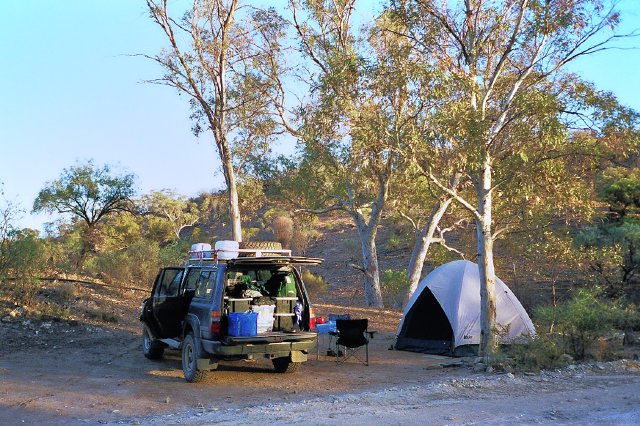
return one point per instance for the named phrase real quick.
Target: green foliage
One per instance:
(249, 233)
(394, 286)
(173, 254)
(620, 188)
(585, 319)
(540, 353)
(137, 264)
(87, 192)
(613, 253)
(397, 241)
(315, 284)
(53, 310)
(170, 214)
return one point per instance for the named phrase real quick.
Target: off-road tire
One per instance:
(190, 360)
(285, 365)
(260, 245)
(151, 348)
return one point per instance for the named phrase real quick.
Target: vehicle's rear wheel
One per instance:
(285, 365)
(190, 360)
(259, 245)
(151, 348)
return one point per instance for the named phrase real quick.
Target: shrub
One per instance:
(102, 315)
(542, 352)
(23, 289)
(394, 284)
(585, 319)
(53, 310)
(63, 293)
(249, 233)
(397, 241)
(315, 284)
(283, 230)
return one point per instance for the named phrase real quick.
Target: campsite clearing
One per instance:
(60, 373)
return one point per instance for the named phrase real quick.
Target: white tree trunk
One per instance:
(232, 196)
(421, 247)
(371, 270)
(488, 340)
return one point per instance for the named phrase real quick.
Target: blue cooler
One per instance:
(243, 324)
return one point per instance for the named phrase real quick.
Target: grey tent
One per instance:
(443, 315)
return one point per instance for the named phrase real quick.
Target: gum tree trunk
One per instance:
(421, 247)
(488, 340)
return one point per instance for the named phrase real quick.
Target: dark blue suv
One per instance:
(189, 310)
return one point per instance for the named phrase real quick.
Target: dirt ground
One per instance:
(88, 372)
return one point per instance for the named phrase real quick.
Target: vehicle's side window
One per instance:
(170, 282)
(206, 284)
(192, 278)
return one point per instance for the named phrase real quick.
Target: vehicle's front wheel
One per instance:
(190, 360)
(285, 365)
(151, 348)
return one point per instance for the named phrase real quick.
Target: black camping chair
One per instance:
(351, 335)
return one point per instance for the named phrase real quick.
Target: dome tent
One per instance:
(443, 315)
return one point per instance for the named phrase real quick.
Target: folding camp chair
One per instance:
(351, 336)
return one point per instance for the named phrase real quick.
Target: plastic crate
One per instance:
(243, 324)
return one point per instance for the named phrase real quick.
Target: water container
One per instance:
(265, 317)
(227, 250)
(200, 251)
(243, 324)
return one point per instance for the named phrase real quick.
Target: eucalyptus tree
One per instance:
(359, 122)
(505, 63)
(89, 194)
(178, 211)
(226, 57)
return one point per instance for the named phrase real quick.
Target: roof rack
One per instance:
(198, 257)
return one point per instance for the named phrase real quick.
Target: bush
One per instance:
(394, 284)
(315, 284)
(542, 352)
(586, 319)
(250, 233)
(63, 293)
(612, 252)
(397, 241)
(283, 230)
(102, 315)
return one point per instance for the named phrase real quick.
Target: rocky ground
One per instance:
(75, 357)
(89, 368)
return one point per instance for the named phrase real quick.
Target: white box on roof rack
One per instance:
(227, 250)
(200, 251)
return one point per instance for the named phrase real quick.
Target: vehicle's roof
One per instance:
(261, 261)
(276, 260)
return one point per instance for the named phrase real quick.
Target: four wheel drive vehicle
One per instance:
(202, 307)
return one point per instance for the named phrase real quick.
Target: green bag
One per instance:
(288, 287)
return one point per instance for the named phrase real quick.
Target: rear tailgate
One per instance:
(271, 338)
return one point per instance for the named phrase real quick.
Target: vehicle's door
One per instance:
(167, 302)
(147, 308)
(202, 304)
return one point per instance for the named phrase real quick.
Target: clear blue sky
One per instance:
(70, 91)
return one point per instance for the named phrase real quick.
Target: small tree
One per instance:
(89, 194)
(177, 210)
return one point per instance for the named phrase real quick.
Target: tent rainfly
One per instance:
(443, 315)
